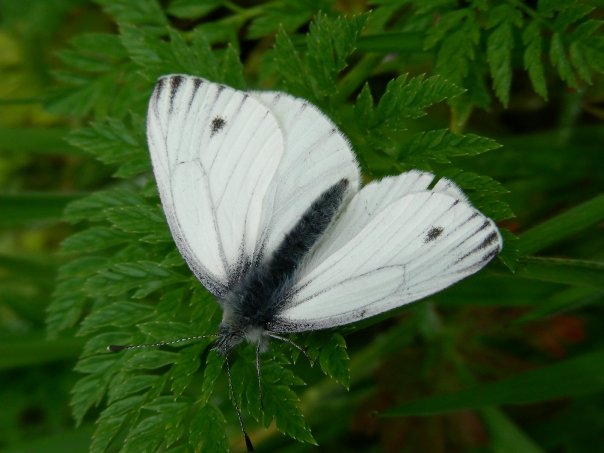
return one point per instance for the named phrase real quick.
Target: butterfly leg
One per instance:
(259, 376)
(298, 347)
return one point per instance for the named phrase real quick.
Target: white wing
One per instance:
(395, 243)
(316, 157)
(215, 151)
(236, 170)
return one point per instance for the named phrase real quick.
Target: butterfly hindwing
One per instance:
(396, 242)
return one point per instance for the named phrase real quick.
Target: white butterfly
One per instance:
(261, 193)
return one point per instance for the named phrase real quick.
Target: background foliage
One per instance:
(504, 97)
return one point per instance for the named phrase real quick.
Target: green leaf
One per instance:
(500, 44)
(390, 41)
(561, 302)
(330, 42)
(484, 192)
(212, 370)
(281, 404)
(192, 9)
(441, 145)
(571, 13)
(579, 61)
(585, 30)
(186, 367)
(173, 411)
(296, 76)
(458, 49)
(69, 297)
(124, 384)
(285, 14)
(117, 314)
(559, 270)
(167, 330)
(140, 219)
(142, 12)
(112, 419)
(246, 386)
(32, 349)
(365, 117)
(98, 78)
(90, 390)
(36, 140)
(533, 63)
(193, 56)
(23, 207)
(151, 432)
(445, 26)
(505, 436)
(334, 360)
(92, 207)
(558, 58)
(94, 239)
(581, 375)
(563, 226)
(207, 431)
(151, 359)
(116, 142)
(409, 97)
(144, 277)
(231, 72)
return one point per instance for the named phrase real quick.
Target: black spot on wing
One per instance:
(175, 83)
(434, 233)
(217, 125)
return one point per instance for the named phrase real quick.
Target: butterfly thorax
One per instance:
(258, 296)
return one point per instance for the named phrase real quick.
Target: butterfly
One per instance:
(261, 192)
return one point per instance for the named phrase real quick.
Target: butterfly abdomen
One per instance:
(298, 242)
(255, 301)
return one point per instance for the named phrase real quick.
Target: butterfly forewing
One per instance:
(215, 152)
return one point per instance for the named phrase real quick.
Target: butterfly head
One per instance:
(229, 336)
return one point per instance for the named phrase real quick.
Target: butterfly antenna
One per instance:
(248, 441)
(119, 347)
(298, 347)
(258, 374)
